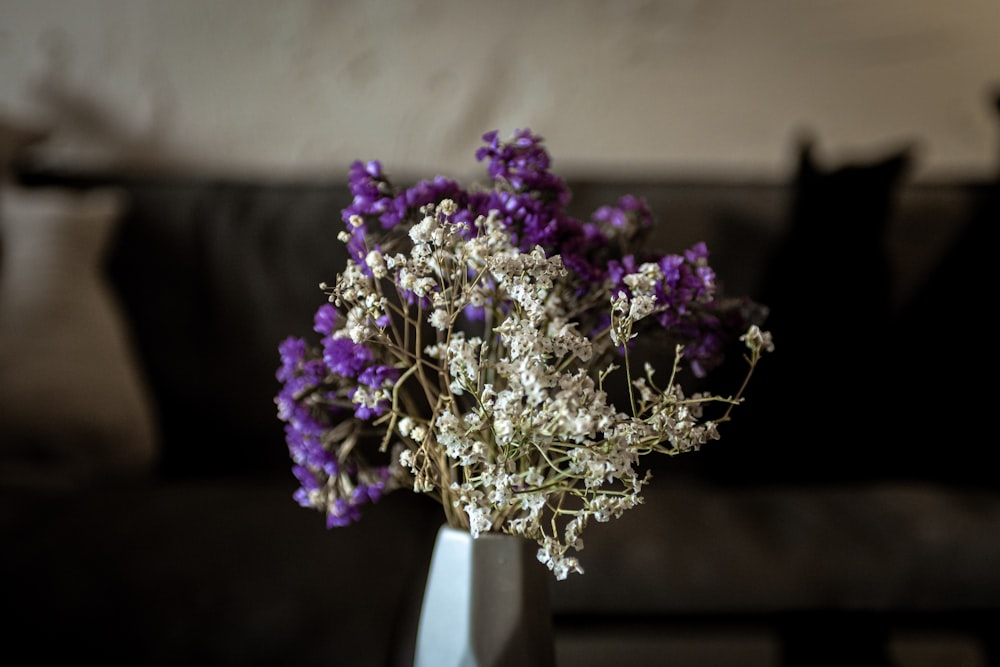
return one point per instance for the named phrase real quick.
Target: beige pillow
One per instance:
(74, 406)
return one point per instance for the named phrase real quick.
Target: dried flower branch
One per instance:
(467, 346)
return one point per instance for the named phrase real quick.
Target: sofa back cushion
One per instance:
(214, 275)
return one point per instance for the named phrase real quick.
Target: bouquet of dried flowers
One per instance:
(469, 348)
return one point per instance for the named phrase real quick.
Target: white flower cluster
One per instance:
(502, 414)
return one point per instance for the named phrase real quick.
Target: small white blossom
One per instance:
(641, 306)
(440, 319)
(757, 339)
(423, 230)
(376, 263)
(553, 555)
(406, 458)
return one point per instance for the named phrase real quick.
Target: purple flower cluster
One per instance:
(685, 296)
(317, 385)
(631, 215)
(523, 164)
(530, 199)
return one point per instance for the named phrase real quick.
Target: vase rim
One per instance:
(490, 535)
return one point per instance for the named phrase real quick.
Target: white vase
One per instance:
(486, 604)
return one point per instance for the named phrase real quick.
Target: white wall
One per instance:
(689, 86)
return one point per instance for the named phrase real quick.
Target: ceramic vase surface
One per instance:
(486, 604)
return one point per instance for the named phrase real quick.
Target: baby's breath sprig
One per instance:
(469, 346)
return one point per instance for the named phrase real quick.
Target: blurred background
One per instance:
(839, 157)
(635, 86)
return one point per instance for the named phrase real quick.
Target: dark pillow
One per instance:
(812, 405)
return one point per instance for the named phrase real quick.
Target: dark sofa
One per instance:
(851, 502)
